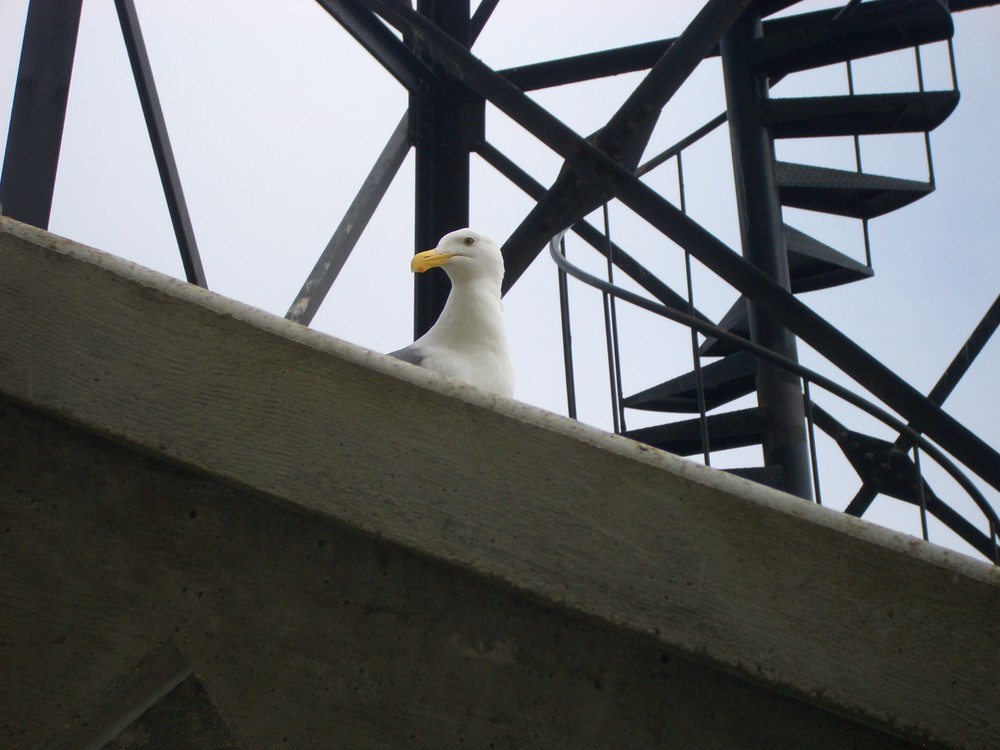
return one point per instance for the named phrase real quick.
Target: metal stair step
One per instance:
(815, 265)
(734, 429)
(862, 114)
(845, 193)
(724, 381)
(736, 320)
(811, 40)
(812, 265)
(770, 476)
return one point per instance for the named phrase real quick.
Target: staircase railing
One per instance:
(986, 544)
(885, 468)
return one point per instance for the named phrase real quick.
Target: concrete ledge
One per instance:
(873, 625)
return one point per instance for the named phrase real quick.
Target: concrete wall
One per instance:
(346, 551)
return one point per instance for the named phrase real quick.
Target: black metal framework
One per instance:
(427, 50)
(39, 110)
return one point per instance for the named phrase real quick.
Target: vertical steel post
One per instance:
(779, 394)
(441, 127)
(38, 112)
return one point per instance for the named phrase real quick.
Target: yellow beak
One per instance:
(429, 259)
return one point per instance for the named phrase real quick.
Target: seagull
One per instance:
(468, 341)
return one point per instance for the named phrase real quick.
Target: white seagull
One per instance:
(468, 341)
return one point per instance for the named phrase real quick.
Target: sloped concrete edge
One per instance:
(800, 598)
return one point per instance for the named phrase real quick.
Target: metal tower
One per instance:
(753, 349)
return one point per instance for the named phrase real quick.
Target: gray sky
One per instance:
(276, 115)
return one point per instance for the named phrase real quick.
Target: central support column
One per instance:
(441, 131)
(779, 393)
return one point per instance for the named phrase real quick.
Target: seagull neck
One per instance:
(471, 309)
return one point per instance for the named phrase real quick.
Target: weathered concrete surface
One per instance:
(352, 552)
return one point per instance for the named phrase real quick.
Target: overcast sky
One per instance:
(276, 115)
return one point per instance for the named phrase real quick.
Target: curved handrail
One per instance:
(873, 410)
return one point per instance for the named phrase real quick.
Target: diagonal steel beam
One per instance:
(588, 66)
(479, 19)
(157, 128)
(625, 136)
(381, 43)
(940, 392)
(349, 231)
(598, 168)
(38, 112)
(362, 208)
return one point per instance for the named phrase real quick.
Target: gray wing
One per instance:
(412, 354)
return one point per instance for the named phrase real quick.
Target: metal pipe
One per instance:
(567, 336)
(779, 395)
(811, 423)
(611, 315)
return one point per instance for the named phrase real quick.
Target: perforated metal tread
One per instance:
(811, 40)
(734, 429)
(724, 380)
(862, 114)
(845, 193)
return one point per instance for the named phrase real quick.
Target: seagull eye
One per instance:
(469, 241)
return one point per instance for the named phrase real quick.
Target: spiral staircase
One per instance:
(786, 46)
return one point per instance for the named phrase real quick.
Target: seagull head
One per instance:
(465, 255)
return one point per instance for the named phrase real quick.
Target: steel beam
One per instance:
(779, 392)
(623, 138)
(349, 231)
(156, 126)
(381, 43)
(441, 129)
(597, 167)
(482, 15)
(38, 112)
(587, 67)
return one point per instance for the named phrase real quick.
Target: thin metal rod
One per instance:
(921, 493)
(38, 112)
(567, 335)
(993, 541)
(927, 135)
(699, 377)
(682, 144)
(952, 65)
(858, 167)
(612, 312)
(868, 242)
(811, 426)
(351, 227)
(857, 138)
(156, 126)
